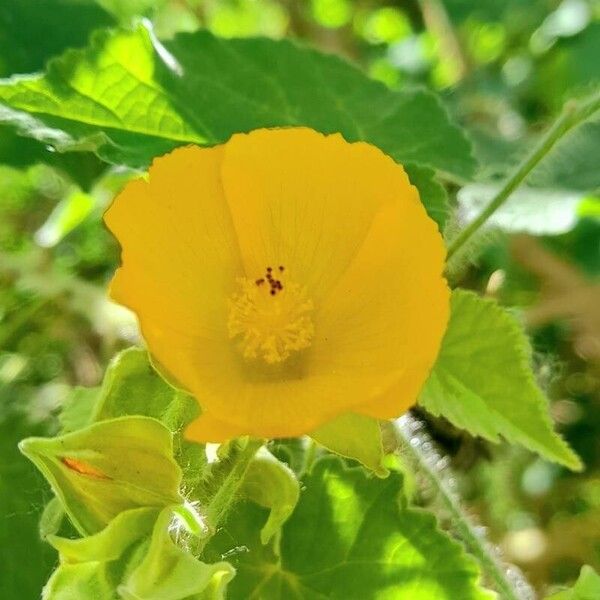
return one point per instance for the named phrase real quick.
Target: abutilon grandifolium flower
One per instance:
(283, 278)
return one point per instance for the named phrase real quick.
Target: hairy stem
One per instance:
(573, 113)
(231, 471)
(416, 446)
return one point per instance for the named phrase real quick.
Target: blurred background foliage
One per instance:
(504, 68)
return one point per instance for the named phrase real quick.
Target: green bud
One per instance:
(107, 468)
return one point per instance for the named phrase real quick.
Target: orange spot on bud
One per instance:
(83, 468)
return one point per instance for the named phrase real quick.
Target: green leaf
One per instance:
(133, 558)
(78, 409)
(51, 518)
(130, 382)
(354, 436)
(433, 194)
(169, 573)
(66, 216)
(222, 479)
(574, 163)
(587, 587)
(26, 559)
(74, 582)
(125, 12)
(132, 386)
(32, 31)
(273, 485)
(108, 467)
(349, 538)
(131, 98)
(483, 381)
(109, 543)
(534, 210)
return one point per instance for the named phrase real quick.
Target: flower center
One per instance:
(271, 317)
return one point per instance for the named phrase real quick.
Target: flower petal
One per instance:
(344, 221)
(305, 200)
(383, 322)
(180, 256)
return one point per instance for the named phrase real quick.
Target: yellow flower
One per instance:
(283, 278)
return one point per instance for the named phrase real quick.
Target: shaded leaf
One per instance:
(131, 386)
(433, 194)
(78, 409)
(51, 518)
(534, 210)
(26, 559)
(574, 163)
(483, 380)
(32, 31)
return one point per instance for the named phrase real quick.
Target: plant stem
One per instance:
(412, 444)
(310, 455)
(234, 466)
(438, 23)
(573, 113)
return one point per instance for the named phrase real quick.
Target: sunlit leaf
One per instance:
(109, 543)
(131, 98)
(483, 380)
(349, 538)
